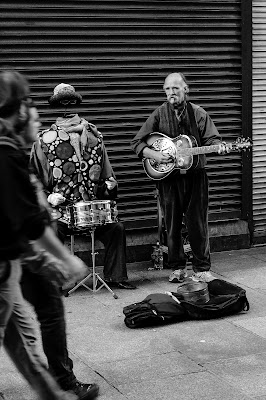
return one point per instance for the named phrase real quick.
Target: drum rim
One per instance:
(92, 202)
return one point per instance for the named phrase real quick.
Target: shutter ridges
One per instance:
(116, 54)
(259, 125)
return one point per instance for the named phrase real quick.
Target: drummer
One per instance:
(71, 160)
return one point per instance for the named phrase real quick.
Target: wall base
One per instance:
(230, 235)
(224, 236)
(259, 237)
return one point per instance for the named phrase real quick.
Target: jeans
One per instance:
(18, 337)
(44, 294)
(186, 195)
(113, 237)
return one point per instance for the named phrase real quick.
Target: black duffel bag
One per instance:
(159, 309)
(155, 309)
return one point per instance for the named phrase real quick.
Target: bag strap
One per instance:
(193, 123)
(159, 217)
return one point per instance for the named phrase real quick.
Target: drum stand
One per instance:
(95, 277)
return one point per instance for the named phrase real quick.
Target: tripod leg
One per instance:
(81, 283)
(95, 276)
(107, 287)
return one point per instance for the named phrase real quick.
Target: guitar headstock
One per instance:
(242, 144)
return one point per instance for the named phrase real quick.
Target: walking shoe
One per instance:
(84, 391)
(204, 276)
(177, 276)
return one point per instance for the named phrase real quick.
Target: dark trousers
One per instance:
(41, 287)
(113, 237)
(18, 336)
(44, 294)
(186, 195)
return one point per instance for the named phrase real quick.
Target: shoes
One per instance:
(121, 285)
(177, 276)
(204, 276)
(84, 391)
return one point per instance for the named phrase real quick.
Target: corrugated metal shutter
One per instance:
(117, 54)
(259, 117)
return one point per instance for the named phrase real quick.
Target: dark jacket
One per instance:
(21, 218)
(164, 120)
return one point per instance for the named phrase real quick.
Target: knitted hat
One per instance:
(64, 93)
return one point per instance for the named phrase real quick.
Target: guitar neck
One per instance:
(203, 149)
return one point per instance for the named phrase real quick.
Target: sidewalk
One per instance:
(222, 359)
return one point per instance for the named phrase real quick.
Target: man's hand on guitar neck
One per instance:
(223, 148)
(158, 156)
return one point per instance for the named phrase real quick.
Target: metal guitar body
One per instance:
(175, 148)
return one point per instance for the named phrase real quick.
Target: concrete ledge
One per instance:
(224, 236)
(229, 235)
(259, 237)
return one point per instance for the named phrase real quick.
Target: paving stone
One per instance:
(192, 360)
(195, 386)
(13, 385)
(212, 340)
(119, 343)
(255, 325)
(145, 368)
(241, 263)
(247, 374)
(246, 276)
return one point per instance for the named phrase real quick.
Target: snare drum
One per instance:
(92, 213)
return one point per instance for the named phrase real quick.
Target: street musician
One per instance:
(72, 163)
(184, 192)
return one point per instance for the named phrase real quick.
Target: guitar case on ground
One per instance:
(160, 309)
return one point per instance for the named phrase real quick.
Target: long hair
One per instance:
(14, 88)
